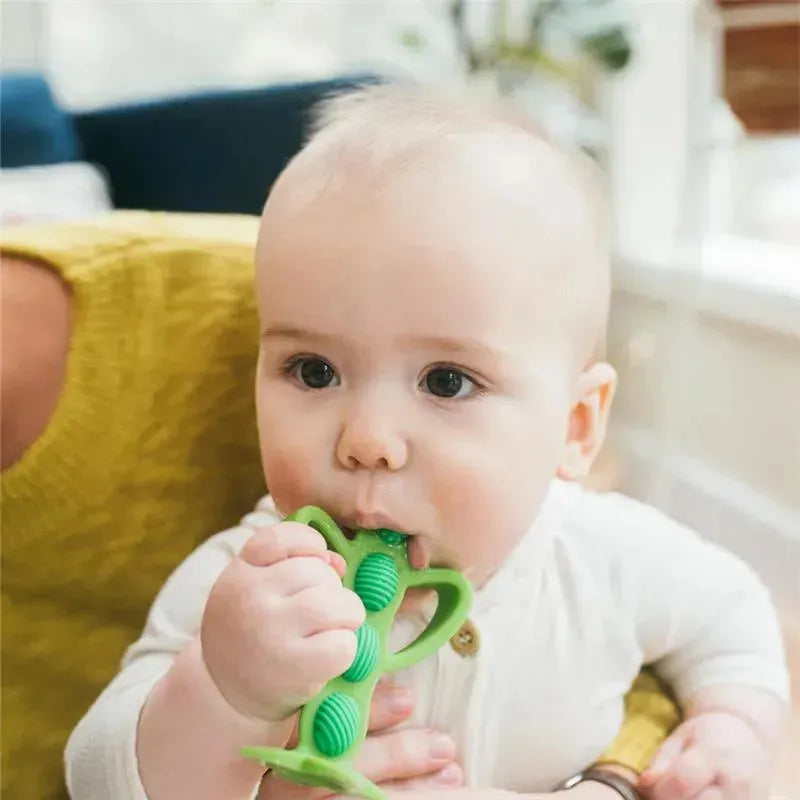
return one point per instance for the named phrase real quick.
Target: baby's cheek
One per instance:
(488, 505)
(289, 477)
(467, 501)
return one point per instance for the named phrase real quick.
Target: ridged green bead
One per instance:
(336, 724)
(367, 653)
(376, 581)
(392, 538)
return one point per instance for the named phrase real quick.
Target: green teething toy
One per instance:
(333, 725)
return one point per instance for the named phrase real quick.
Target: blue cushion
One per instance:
(207, 152)
(33, 129)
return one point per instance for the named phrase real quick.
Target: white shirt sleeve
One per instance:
(100, 757)
(702, 616)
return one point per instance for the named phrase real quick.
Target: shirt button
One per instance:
(466, 641)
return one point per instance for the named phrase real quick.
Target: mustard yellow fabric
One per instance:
(152, 448)
(650, 715)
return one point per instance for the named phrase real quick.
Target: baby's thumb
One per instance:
(337, 562)
(664, 758)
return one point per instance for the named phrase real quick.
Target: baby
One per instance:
(433, 287)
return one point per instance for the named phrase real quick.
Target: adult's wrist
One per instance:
(615, 784)
(588, 790)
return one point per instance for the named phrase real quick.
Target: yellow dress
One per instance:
(152, 448)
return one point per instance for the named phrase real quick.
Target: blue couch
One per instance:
(206, 152)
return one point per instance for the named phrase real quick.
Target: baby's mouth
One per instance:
(419, 555)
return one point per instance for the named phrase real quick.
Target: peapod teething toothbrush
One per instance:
(333, 725)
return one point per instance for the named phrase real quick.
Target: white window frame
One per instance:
(666, 121)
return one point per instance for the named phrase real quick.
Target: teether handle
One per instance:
(454, 595)
(324, 524)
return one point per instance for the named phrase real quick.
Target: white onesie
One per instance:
(599, 586)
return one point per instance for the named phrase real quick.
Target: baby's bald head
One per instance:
(473, 169)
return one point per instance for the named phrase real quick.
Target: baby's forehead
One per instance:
(521, 184)
(495, 185)
(508, 162)
(466, 171)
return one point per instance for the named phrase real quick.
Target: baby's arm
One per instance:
(207, 676)
(709, 625)
(726, 744)
(163, 670)
(189, 736)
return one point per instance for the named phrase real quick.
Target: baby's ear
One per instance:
(587, 421)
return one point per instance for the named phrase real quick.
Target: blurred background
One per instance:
(691, 106)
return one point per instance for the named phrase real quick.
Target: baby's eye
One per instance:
(448, 382)
(313, 373)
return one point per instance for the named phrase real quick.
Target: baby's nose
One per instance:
(371, 444)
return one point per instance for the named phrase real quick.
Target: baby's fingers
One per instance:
(711, 793)
(275, 788)
(318, 608)
(689, 775)
(275, 543)
(390, 704)
(414, 758)
(667, 754)
(445, 778)
(404, 755)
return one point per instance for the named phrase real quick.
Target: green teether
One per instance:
(333, 725)
(376, 581)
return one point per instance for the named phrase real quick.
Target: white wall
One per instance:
(705, 327)
(101, 53)
(706, 422)
(20, 35)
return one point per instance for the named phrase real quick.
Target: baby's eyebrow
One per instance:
(290, 332)
(466, 347)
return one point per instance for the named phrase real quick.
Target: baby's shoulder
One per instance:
(616, 528)
(618, 543)
(610, 550)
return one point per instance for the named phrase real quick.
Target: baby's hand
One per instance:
(278, 623)
(394, 758)
(712, 756)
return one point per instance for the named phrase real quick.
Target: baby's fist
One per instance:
(278, 623)
(712, 756)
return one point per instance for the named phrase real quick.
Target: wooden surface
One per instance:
(742, 3)
(762, 76)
